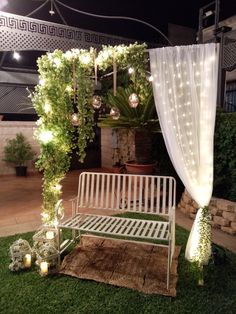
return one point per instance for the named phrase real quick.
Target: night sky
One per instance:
(157, 13)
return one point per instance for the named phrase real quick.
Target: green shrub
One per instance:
(18, 151)
(225, 156)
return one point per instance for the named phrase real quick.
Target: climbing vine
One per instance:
(63, 102)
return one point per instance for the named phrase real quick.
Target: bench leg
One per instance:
(75, 234)
(168, 266)
(59, 246)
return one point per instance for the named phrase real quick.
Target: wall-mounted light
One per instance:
(16, 55)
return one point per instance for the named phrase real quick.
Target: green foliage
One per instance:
(204, 248)
(225, 156)
(143, 116)
(27, 292)
(18, 151)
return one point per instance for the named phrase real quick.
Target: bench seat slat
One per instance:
(119, 226)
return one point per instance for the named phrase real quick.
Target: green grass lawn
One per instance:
(28, 292)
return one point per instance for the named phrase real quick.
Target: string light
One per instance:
(85, 59)
(130, 70)
(47, 107)
(45, 136)
(57, 62)
(69, 89)
(42, 82)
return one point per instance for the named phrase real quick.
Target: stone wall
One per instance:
(106, 150)
(8, 130)
(116, 145)
(223, 212)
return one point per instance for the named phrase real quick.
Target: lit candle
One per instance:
(43, 268)
(49, 235)
(27, 260)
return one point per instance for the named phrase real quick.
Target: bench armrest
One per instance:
(73, 205)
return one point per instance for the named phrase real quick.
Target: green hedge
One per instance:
(225, 156)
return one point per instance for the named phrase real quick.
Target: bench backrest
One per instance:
(126, 192)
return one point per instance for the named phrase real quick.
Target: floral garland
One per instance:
(64, 91)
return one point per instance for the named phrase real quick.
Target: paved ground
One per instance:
(20, 207)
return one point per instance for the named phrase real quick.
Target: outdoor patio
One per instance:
(64, 294)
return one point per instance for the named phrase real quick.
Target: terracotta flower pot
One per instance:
(135, 168)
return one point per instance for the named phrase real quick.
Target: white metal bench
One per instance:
(124, 192)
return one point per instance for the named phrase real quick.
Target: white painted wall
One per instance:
(8, 130)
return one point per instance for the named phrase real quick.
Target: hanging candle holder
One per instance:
(115, 113)
(133, 100)
(75, 119)
(96, 101)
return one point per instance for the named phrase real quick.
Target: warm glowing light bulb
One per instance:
(85, 59)
(130, 70)
(69, 55)
(39, 121)
(47, 107)
(58, 187)
(16, 55)
(57, 62)
(42, 82)
(46, 136)
(151, 78)
(68, 89)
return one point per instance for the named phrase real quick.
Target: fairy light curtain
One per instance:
(185, 89)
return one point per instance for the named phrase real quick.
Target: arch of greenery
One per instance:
(66, 86)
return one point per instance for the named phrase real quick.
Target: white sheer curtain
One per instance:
(185, 88)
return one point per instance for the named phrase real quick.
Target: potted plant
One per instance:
(142, 119)
(17, 152)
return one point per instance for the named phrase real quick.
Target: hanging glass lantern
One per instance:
(133, 100)
(96, 101)
(75, 119)
(115, 113)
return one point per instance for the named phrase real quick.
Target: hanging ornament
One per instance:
(75, 119)
(115, 113)
(96, 101)
(133, 100)
(130, 70)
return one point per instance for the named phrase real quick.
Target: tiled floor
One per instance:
(20, 206)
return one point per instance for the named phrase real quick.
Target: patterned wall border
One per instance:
(229, 50)
(23, 33)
